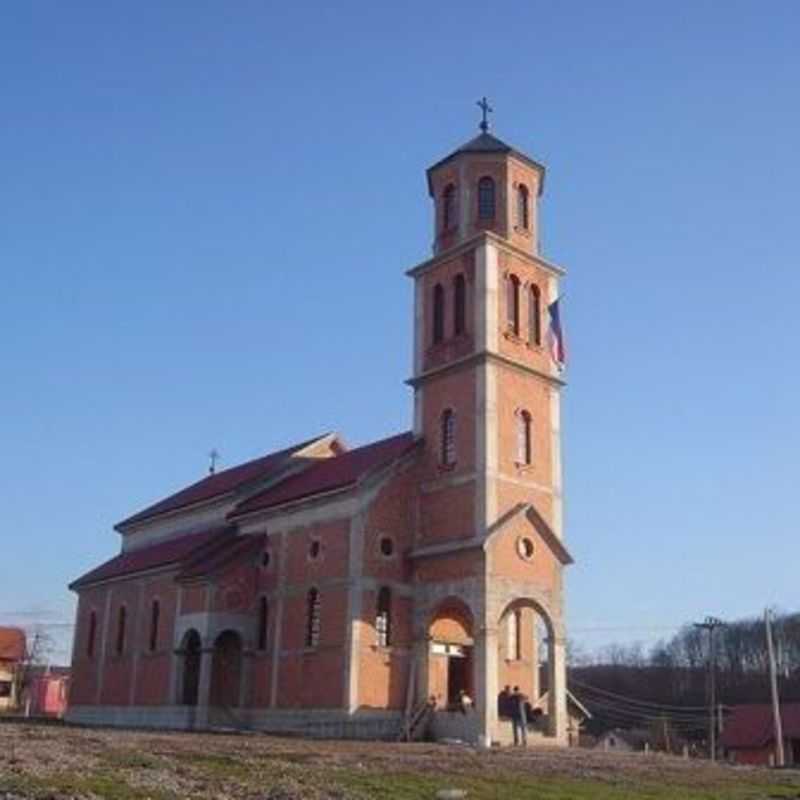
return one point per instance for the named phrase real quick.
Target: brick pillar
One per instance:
(485, 655)
(557, 705)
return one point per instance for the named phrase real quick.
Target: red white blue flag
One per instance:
(555, 336)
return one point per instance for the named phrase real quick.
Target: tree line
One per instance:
(674, 674)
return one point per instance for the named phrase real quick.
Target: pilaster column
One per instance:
(204, 686)
(557, 696)
(486, 684)
(421, 653)
(246, 682)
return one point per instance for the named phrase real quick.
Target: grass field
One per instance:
(57, 762)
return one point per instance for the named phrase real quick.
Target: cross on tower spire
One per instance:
(484, 106)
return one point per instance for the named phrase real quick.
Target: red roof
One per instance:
(221, 483)
(173, 551)
(332, 473)
(752, 726)
(209, 560)
(12, 644)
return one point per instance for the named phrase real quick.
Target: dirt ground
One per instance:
(59, 762)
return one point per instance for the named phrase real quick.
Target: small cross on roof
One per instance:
(484, 106)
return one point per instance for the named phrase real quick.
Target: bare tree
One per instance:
(39, 647)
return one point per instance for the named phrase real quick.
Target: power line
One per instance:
(633, 700)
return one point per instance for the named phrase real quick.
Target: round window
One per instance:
(314, 548)
(525, 548)
(387, 546)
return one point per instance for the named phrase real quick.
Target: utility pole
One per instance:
(710, 624)
(776, 706)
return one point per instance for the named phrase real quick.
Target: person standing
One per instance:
(519, 723)
(504, 703)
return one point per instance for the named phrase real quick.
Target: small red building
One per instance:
(48, 691)
(749, 735)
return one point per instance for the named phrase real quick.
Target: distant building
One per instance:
(622, 740)
(749, 735)
(48, 689)
(12, 654)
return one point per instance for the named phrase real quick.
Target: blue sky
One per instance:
(207, 209)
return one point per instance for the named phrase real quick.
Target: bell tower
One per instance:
(487, 405)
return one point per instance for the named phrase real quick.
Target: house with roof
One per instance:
(749, 734)
(12, 656)
(329, 590)
(623, 740)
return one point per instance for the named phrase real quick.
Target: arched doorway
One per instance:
(450, 658)
(191, 652)
(530, 656)
(226, 670)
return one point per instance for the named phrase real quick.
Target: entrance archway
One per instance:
(191, 653)
(450, 658)
(530, 656)
(226, 670)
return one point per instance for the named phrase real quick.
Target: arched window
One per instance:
(459, 305)
(447, 454)
(438, 313)
(92, 634)
(535, 315)
(155, 613)
(449, 208)
(513, 647)
(524, 438)
(263, 620)
(312, 618)
(121, 618)
(486, 198)
(383, 617)
(523, 207)
(512, 303)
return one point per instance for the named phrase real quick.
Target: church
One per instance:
(329, 591)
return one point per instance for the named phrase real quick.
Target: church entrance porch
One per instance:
(451, 672)
(530, 655)
(450, 659)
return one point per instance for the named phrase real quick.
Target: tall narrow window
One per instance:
(449, 208)
(121, 618)
(486, 198)
(92, 634)
(447, 454)
(312, 618)
(523, 207)
(383, 617)
(459, 305)
(263, 620)
(524, 438)
(438, 313)
(535, 314)
(155, 613)
(513, 648)
(512, 303)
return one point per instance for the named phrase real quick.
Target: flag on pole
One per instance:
(555, 336)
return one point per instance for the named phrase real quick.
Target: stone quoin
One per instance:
(332, 591)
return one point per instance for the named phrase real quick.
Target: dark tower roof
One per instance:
(486, 143)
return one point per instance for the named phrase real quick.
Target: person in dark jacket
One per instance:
(519, 723)
(504, 703)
